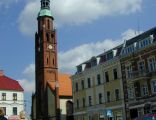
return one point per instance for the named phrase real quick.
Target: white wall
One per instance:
(63, 105)
(9, 103)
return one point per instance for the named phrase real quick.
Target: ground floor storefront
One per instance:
(101, 114)
(140, 110)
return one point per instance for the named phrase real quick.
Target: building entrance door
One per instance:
(134, 113)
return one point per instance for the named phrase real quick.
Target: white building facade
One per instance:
(11, 96)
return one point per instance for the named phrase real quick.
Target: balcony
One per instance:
(141, 100)
(140, 75)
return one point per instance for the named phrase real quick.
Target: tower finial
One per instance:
(45, 4)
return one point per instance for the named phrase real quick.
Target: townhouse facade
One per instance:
(11, 96)
(138, 63)
(119, 84)
(97, 88)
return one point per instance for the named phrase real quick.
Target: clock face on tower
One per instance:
(50, 47)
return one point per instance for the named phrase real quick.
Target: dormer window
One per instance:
(145, 42)
(93, 63)
(79, 69)
(109, 55)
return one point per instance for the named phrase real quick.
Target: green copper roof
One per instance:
(45, 12)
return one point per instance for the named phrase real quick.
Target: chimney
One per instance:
(1, 72)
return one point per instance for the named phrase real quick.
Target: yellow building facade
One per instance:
(97, 88)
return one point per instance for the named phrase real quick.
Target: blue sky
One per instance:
(84, 29)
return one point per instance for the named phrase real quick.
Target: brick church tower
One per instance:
(47, 102)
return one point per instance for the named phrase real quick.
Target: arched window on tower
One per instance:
(52, 37)
(47, 37)
(44, 4)
(48, 24)
(47, 61)
(53, 62)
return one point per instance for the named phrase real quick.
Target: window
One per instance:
(109, 55)
(115, 74)
(77, 101)
(145, 42)
(83, 100)
(108, 96)
(141, 66)
(98, 79)
(14, 96)
(151, 64)
(48, 24)
(93, 63)
(154, 86)
(100, 98)
(82, 84)
(117, 96)
(76, 87)
(89, 82)
(129, 71)
(47, 37)
(145, 90)
(106, 76)
(4, 108)
(14, 110)
(3, 96)
(130, 92)
(90, 100)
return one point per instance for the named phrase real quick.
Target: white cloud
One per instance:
(28, 80)
(68, 60)
(74, 12)
(29, 86)
(29, 71)
(130, 33)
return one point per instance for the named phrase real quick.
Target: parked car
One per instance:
(151, 116)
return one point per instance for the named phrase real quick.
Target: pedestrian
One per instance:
(22, 115)
(2, 114)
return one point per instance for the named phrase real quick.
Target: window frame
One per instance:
(4, 96)
(14, 110)
(14, 96)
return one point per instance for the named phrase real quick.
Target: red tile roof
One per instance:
(7, 83)
(65, 85)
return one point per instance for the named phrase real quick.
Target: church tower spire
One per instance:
(46, 73)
